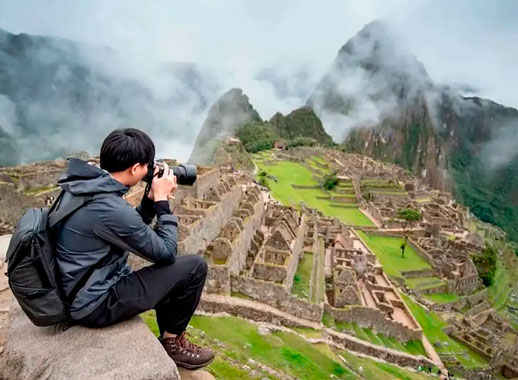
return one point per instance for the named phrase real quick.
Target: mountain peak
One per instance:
(371, 75)
(231, 111)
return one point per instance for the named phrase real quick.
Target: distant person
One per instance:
(93, 243)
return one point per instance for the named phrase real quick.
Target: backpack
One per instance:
(32, 270)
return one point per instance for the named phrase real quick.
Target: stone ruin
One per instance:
(451, 260)
(356, 284)
(492, 337)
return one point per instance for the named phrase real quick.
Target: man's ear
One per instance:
(134, 168)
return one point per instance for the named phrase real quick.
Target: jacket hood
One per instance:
(82, 178)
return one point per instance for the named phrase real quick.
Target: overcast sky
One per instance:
(465, 42)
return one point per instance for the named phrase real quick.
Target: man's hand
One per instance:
(151, 193)
(164, 186)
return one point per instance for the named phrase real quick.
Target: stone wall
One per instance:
(208, 227)
(296, 249)
(389, 355)
(277, 296)
(305, 186)
(218, 280)
(418, 273)
(243, 242)
(374, 319)
(244, 309)
(14, 202)
(477, 309)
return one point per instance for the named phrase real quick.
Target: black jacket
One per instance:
(104, 231)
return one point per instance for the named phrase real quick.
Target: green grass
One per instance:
(305, 350)
(432, 326)
(442, 297)
(328, 320)
(236, 338)
(319, 159)
(499, 291)
(411, 347)
(308, 332)
(424, 282)
(388, 252)
(288, 173)
(241, 295)
(301, 281)
(222, 369)
(370, 369)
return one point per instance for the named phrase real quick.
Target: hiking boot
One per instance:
(187, 354)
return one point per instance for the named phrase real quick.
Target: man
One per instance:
(95, 240)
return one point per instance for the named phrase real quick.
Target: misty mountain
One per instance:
(380, 101)
(302, 122)
(230, 112)
(59, 96)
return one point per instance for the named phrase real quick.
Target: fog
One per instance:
(276, 52)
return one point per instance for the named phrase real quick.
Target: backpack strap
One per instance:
(58, 215)
(75, 202)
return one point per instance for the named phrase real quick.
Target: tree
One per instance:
(329, 181)
(409, 215)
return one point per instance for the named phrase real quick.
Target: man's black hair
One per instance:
(125, 147)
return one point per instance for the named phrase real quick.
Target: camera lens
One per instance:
(185, 174)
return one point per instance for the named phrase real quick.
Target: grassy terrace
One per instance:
(411, 347)
(443, 297)
(236, 341)
(366, 334)
(432, 326)
(388, 251)
(424, 282)
(502, 286)
(381, 371)
(290, 173)
(301, 281)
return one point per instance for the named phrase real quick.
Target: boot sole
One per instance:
(193, 366)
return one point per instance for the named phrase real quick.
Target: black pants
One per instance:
(173, 290)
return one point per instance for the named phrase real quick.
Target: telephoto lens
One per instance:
(185, 174)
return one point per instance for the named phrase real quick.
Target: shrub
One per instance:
(330, 181)
(485, 262)
(257, 136)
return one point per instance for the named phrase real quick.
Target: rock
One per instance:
(4, 243)
(127, 350)
(199, 374)
(263, 330)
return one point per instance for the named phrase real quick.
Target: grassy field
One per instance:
(301, 281)
(236, 340)
(388, 251)
(424, 282)
(370, 369)
(504, 281)
(290, 173)
(443, 297)
(432, 326)
(411, 347)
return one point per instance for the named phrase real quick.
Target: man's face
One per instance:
(137, 171)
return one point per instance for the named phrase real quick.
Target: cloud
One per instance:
(262, 47)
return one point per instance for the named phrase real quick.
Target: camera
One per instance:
(185, 174)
